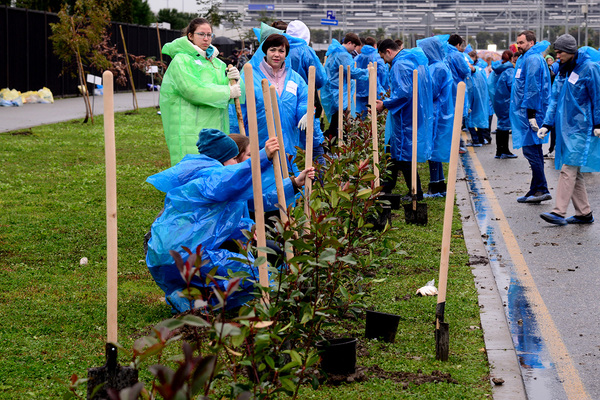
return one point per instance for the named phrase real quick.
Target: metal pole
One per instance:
(566, 16)
(403, 20)
(509, 23)
(456, 17)
(585, 19)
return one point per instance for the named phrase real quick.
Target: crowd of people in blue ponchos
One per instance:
(209, 184)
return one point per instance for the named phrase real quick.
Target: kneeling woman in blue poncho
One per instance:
(206, 204)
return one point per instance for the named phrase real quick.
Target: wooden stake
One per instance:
(256, 176)
(276, 162)
(349, 84)
(111, 208)
(341, 107)
(282, 154)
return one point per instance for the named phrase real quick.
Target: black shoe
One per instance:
(581, 219)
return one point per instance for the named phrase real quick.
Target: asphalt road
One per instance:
(546, 275)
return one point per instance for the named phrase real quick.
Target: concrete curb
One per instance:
(501, 353)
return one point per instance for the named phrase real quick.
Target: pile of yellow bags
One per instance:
(13, 97)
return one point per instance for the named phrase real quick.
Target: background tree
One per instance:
(210, 10)
(178, 20)
(76, 39)
(318, 36)
(44, 5)
(266, 17)
(133, 12)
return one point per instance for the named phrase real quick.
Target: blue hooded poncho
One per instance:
(479, 100)
(292, 105)
(531, 90)
(492, 80)
(504, 74)
(574, 111)
(443, 102)
(369, 54)
(458, 65)
(400, 106)
(338, 55)
(302, 56)
(206, 204)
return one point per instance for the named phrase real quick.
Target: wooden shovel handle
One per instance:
(310, 121)
(449, 206)
(373, 103)
(415, 127)
(341, 106)
(111, 208)
(238, 107)
(276, 162)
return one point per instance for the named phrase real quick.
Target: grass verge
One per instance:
(53, 308)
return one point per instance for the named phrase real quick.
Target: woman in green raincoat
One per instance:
(195, 92)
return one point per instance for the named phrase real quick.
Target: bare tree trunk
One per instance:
(82, 82)
(135, 103)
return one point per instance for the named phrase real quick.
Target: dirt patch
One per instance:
(478, 260)
(22, 133)
(363, 374)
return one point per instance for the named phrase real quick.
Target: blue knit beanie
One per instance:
(217, 145)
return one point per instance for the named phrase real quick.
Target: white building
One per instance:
(422, 17)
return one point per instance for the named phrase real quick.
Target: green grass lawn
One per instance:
(53, 309)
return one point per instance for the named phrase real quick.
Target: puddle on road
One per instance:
(539, 374)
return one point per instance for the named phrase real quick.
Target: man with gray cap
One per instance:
(529, 99)
(574, 112)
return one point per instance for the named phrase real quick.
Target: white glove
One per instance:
(542, 132)
(233, 73)
(235, 91)
(302, 123)
(533, 124)
(597, 132)
(428, 290)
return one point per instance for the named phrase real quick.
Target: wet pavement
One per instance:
(545, 276)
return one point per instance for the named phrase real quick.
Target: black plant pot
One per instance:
(381, 326)
(338, 356)
(393, 198)
(381, 218)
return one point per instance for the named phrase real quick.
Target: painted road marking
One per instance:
(565, 368)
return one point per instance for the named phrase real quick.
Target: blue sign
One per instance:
(329, 22)
(261, 7)
(330, 14)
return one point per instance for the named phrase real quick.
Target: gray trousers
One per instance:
(571, 187)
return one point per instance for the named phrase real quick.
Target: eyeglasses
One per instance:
(205, 35)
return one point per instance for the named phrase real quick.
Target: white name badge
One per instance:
(291, 87)
(518, 74)
(573, 78)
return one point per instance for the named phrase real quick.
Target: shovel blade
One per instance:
(109, 376)
(442, 341)
(416, 216)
